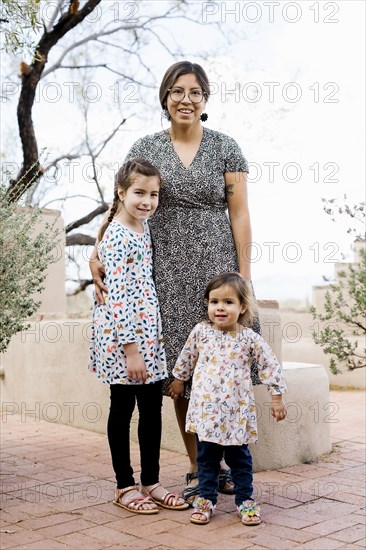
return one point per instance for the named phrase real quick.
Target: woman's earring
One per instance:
(204, 117)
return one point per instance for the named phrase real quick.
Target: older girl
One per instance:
(127, 349)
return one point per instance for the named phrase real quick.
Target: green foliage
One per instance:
(345, 304)
(19, 20)
(25, 255)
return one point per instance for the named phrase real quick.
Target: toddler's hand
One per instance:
(136, 368)
(278, 408)
(176, 389)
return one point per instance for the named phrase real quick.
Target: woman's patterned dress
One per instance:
(130, 312)
(190, 229)
(222, 408)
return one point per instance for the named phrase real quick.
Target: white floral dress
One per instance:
(131, 310)
(222, 408)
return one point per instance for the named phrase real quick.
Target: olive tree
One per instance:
(25, 254)
(344, 332)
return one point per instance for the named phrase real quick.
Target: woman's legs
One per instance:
(189, 440)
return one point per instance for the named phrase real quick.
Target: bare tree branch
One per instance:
(166, 48)
(129, 52)
(88, 218)
(129, 27)
(102, 65)
(111, 136)
(126, 77)
(69, 156)
(62, 199)
(55, 14)
(79, 239)
(91, 37)
(92, 156)
(31, 76)
(84, 283)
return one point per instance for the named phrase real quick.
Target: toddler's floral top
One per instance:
(131, 310)
(222, 408)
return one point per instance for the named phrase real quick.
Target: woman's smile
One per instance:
(185, 111)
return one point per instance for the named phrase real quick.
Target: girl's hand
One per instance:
(278, 408)
(136, 368)
(98, 274)
(176, 389)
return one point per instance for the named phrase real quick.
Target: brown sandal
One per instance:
(137, 501)
(169, 500)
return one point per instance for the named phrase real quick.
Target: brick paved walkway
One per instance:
(57, 484)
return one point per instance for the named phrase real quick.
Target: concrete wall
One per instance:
(53, 297)
(298, 345)
(45, 371)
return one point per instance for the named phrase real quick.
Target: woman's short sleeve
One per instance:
(235, 161)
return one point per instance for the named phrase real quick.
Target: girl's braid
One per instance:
(112, 213)
(114, 207)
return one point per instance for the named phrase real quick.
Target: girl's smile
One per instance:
(224, 308)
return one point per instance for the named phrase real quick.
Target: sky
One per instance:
(288, 83)
(318, 140)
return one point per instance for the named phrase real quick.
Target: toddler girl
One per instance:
(126, 346)
(218, 355)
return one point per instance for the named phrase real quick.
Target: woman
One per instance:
(204, 174)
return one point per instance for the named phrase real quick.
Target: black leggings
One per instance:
(149, 402)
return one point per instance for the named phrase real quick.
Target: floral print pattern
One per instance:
(222, 408)
(130, 312)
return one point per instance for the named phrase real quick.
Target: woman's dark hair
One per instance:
(123, 180)
(178, 69)
(243, 291)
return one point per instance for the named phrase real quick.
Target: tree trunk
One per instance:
(31, 75)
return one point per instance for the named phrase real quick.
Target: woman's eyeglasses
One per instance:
(177, 95)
